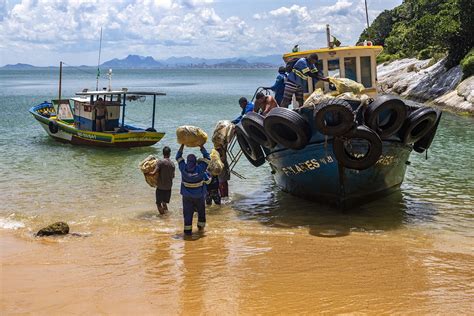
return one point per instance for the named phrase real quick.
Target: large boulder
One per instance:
(58, 228)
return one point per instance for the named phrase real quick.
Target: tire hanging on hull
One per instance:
(383, 105)
(418, 124)
(287, 128)
(53, 127)
(340, 120)
(253, 124)
(348, 159)
(251, 149)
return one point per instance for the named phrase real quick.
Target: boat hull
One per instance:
(314, 173)
(67, 133)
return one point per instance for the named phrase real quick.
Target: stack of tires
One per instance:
(386, 118)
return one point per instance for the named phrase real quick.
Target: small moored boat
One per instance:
(74, 120)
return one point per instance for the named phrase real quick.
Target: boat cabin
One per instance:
(354, 62)
(85, 114)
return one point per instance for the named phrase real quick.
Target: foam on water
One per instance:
(6, 223)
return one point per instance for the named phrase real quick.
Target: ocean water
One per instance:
(426, 228)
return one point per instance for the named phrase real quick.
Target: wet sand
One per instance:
(271, 271)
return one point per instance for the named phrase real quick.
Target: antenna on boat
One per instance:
(60, 79)
(98, 63)
(367, 15)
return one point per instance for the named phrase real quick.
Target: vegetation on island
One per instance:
(426, 29)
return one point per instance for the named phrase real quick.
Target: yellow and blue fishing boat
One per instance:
(75, 120)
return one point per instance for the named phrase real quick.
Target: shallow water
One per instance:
(265, 252)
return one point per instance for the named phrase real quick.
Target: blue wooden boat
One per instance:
(340, 151)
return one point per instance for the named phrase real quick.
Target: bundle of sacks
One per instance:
(191, 136)
(223, 133)
(147, 166)
(346, 89)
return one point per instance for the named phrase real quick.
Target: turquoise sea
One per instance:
(264, 252)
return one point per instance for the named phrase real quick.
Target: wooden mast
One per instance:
(60, 79)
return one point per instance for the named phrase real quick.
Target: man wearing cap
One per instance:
(193, 187)
(279, 85)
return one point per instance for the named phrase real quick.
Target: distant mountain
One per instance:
(136, 61)
(18, 66)
(133, 61)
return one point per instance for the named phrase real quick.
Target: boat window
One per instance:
(366, 71)
(334, 68)
(350, 68)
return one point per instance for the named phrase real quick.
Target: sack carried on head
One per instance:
(223, 133)
(215, 166)
(147, 166)
(191, 136)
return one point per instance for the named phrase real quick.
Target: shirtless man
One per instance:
(100, 115)
(264, 103)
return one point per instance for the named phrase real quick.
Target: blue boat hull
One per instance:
(314, 173)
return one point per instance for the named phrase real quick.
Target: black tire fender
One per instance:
(287, 128)
(359, 163)
(418, 124)
(251, 149)
(336, 108)
(397, 115)
(53, 127)
(425, 142)
(253, 125)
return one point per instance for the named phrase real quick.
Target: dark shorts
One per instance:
(100, 117)
(163, 196)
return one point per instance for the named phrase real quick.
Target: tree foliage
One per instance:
(425, 28)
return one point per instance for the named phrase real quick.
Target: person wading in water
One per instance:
(165, 169)
(193, 188)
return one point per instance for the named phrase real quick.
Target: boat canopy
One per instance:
(122, 92)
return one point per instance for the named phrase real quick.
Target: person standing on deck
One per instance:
(100, 115)
(246, 107)
(165, 169)
(279, 86)
(193, 187)
(297, 82)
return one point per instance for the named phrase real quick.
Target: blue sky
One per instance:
(43, 32)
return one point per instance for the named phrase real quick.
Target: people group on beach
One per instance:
(198, 187)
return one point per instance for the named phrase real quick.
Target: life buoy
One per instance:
(425, 142)
(250, 148)
(363, 160)
(334, 117)
(418, 124)
(53, 127)
(385, 115)
(253, 125)
(287, 128)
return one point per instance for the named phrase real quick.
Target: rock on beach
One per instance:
(58, 228)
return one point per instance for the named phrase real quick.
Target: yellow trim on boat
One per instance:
(378, 50)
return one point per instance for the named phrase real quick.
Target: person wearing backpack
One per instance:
(297, 82)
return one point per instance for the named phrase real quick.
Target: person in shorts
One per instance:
(165, 173)
(213, 191)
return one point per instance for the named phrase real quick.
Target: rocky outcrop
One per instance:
(422, 81)
(58, 228)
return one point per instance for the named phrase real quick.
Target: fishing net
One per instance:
(223, 133)
(147, 166)
(216, 165)
(191, 136)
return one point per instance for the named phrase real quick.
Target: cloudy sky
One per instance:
(43, 32)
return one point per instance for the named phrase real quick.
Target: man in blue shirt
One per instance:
(246, 107)
(279, 85)
(193, 188)
(297, 81)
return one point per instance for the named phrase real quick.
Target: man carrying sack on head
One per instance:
(193, 187)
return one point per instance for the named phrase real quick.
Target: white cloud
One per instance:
(168, 27)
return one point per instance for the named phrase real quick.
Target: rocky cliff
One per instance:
(422, 81)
